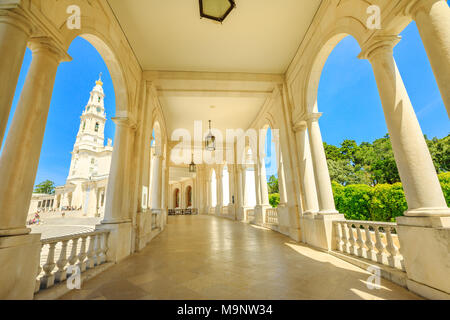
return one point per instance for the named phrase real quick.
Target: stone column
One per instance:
(20, 158)
(219, 189)
(15, 31)
(257, 185)
(281, 183)
(263, 182)
(114, 208)
(420, 183)
(433, 21)
(240, 192)
(323, 182)
(156, 185)
(117, 218)
(306, 169)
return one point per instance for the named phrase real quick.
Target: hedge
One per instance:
(384, 202)
(274, 199)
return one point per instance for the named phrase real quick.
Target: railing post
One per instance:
(61, 274)
(351, 238)
(359, 240)
(73, 253)
(48, 279)
(370, 254)
(38, 281)
(98, 249)
(90, 261)
(82, 255)
(378, 244)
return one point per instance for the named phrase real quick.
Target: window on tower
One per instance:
(96, 127)
(99, 99)
(84, 125)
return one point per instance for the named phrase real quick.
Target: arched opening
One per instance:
(271, 166)
(70, 143)
(188, 197)
(176, 198)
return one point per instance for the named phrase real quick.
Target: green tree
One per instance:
(272, 185)
(274, 200)
(46, 187)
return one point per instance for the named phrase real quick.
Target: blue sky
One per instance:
(347, 96)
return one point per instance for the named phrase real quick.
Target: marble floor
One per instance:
(204, 257)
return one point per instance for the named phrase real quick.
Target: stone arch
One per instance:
(188, 196)
(347, 26)
(115, 68)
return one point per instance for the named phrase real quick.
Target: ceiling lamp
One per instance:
(216, 10)
(192, 166)
(210, 142)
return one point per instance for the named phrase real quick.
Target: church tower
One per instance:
(90, 157)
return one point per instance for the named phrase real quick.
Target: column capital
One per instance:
(300, 126)
(313, 117)
(125, 122)
(415, 6)
(379, 44)
(16, 19)
(48, 46)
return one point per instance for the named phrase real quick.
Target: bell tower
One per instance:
(90, 138)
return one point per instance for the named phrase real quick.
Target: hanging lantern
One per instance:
(216, 10)
(210, 142)
(192, 166)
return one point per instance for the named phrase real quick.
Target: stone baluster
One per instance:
(73, 254)
(98, 249)
(39, 269)
(379, 245)
(391, 248)
(369, 243)
(351, 238)
(61, 274)
(82, 255)
(345, 238)
(359, 241)
(48, 279)
(103, 244)
(90, 261)
(340, 238)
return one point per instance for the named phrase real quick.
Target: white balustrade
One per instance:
(78, 257)
(375, 241)
(272, 216)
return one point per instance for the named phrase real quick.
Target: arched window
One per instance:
(84, 125)
(96, 127)
(176, 198)
(188, 197)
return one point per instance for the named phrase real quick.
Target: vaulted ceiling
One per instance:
(204, 70)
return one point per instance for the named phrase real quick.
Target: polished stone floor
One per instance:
(204, 257)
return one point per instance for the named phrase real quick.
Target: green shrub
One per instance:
(388, 202)
(274, 199)
(384, 202)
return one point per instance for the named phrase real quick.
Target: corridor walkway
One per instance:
(204, 257)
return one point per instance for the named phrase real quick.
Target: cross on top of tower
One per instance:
(99, 81)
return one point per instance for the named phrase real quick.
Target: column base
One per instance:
(119, 240)
(428, 212)
(328, 212)
(14, 232)
(424, 244)
(19, 263)
(318, 229)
